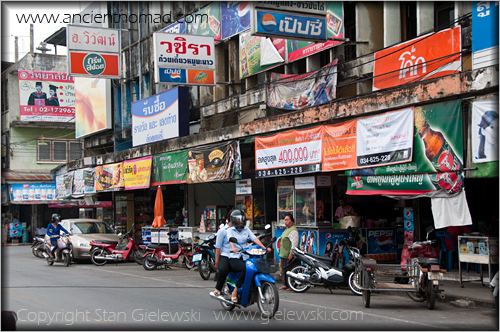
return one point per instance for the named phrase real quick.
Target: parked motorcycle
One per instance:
(62, 255)
(258, 286)
(205, 256)
(319, 271)
(157, 255)
(37, 247)
(103, 251)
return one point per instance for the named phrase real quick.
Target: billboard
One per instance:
(92, 105)
(258, 54)
(137, 173)
(235, 17)
(205, 22)
(484, 131)
(46, 96)
(160, 117)
(184, 59)
(430, 56)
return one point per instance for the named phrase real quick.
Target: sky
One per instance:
(10, 25)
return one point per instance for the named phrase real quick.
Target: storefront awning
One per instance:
(16, 177)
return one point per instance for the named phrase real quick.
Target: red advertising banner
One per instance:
(422, 58)
(339, 146)
(94, 64)
(46, 96)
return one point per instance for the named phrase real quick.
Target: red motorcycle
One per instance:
(103, 251)
(157, 255)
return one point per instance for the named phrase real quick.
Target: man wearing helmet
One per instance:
(54, 231)
(241, 233)
(222, 251)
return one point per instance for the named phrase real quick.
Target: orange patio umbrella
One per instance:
(158, 221)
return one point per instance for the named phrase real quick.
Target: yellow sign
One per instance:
(137, 173)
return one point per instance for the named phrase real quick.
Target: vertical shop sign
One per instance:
(484, 34)
(169, 168)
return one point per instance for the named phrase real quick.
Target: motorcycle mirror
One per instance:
(233, 240)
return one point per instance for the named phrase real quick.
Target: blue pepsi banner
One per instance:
(333, 244)
(308, 241)
(235, 17)
(32, 192)
(290, 26)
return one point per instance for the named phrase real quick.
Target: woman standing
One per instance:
(289, 240)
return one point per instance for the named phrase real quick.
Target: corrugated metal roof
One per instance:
(16, 177)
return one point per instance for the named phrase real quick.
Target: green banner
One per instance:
(205, 22)
(169, 168)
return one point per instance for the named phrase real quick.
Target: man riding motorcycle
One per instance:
(53, 231)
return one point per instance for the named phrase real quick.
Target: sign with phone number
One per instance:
(289, 170)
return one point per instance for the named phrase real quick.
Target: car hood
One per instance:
(95, 236)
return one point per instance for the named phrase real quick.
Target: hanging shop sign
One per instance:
(295, 92)
(258, 54)
(311, 7)
(93, 51)
(32, 192)
(235, 17)
(205, 22)
(64, 185)
(184, 59)
(484, 34)
(169, 168)
(430, 56)
(484, 138)
(92, 106)
(244, 187)
(109, 177)
(214, 163)
(137, 173)
(161, 117)
(298, 49)
(305, 182)
(46, 96)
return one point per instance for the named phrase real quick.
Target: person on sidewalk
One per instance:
(288, 241)
(54, 232)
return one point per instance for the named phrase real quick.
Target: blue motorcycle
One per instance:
(259, 287)
(205, 256)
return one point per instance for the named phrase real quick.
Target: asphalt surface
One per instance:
(125, 296)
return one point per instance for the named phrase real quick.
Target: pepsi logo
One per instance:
(175, 77)
(243, 8)
(385, 243)
(328, 236)
(268, 22)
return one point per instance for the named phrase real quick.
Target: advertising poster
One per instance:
(385, 139)
(89, 180)
(235, 17)
(206, 21)
(161, 117)
(169, 168)
(5, 195)
(59, 186)
(109, 177)
(258, 54)
(330, 245)
(308, 241)
(484, 131)
(292, 152)
(184, 59)
(46, 96)
(92, 105)
(214, 163)
(32, 192)
(137, 173)
(484, 34)
(381, 243)
(298, 49)
(294, 92)
(339, 146)
(430, 56)
(78, 183)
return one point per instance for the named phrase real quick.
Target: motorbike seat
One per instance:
(158, 246)
(426, 261)
(106, 241)
(325, 259)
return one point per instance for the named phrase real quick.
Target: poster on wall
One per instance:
(339, 146)
(137, 173)
(109, 177)
(89, 180)
(484, 131)
(214, 163)
(32, 192)
(92, 105)
(169, 168)
(381, 244)
(78, 183)
(235, 17)
(258, 54)
(308, 241)
(64, 185)
(294, 92)
(46, 96)
(331, 244)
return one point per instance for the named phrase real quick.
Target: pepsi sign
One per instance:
(290, 26)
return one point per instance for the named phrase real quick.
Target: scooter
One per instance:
(319, 271)
(156, 256)
(103, 251)
(258, 286)
(205, 256)
(37, 247)
(63, 254)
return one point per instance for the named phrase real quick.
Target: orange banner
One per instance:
(339, 146)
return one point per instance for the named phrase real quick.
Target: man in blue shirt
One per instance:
(53, 231)
(222, 250)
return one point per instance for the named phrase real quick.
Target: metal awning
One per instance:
(20, 176)
(57, 38)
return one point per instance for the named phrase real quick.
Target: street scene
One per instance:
(236, 165)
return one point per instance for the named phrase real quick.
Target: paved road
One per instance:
(126, 297)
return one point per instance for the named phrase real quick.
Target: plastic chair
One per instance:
(442, 236)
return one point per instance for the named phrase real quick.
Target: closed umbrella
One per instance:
(158, 221)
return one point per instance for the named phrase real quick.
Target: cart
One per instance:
(420, 283)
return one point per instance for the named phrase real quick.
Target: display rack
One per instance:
(215, 215)
(478, 250)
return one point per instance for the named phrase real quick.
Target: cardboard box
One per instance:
(353, 221)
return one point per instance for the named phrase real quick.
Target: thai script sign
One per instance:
(137, 172)
(313, 7)
(484, 34)
(184, 59)
(32, 192)
(290, 26)
(86, 38)
(160, 117)
(109, 177)
(46, 96)
(430, 56)
(170, 168)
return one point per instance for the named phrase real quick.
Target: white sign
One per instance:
(86, 38)
(304, 182)
(324, 181)
(385, 139)
(484, 131)
(244, 187)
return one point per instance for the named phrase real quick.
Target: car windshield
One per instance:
(90, 227)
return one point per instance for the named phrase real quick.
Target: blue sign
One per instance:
(172, 75)
(381, 240)
(484, 25)
(177, 27)
(291, 26)
(308, 241)
(235, 17)
(32, 192)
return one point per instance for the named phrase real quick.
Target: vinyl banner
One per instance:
(89, 180)
(339, 146)
(64, 185)
(184, 59)
(214, 163)
(484, 131)
(137, 173)
(78, 183)
(92, 106)
(385, 139)
(258, 53)
(46, 96)
(161, 117)
(32, 192)
(291, 152)
(177, 27)
(295, 92)
(205, 22)
(235, 17)
(429, 56)
(109, 177)
(170, 168)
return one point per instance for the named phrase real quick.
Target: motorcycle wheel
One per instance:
(431, 295)
(188, 262)
(354, 284)
(97, 252)
(366, 293)
(268, 305)
(204, 268)
(295, 285)
(66, 259)
(50, 262)
(416, 296)
(226, 293)
(34, 250)
(147, 264)
(137, 255)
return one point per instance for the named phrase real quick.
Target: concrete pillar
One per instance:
(392, 23)
(425, 16)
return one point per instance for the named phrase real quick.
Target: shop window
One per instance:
(444, 14)
(56, 150)
(350, 29)
(408, 20)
